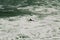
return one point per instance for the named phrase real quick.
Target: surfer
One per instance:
(30, 19)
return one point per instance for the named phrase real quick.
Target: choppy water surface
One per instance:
(45, 25)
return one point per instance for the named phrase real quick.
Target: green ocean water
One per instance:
(29, 19)
(25, 3)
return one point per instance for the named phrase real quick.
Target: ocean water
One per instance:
(31, 23)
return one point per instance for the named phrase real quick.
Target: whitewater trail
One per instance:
(47, 28)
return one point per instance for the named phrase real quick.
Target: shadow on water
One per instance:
(15, 13)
